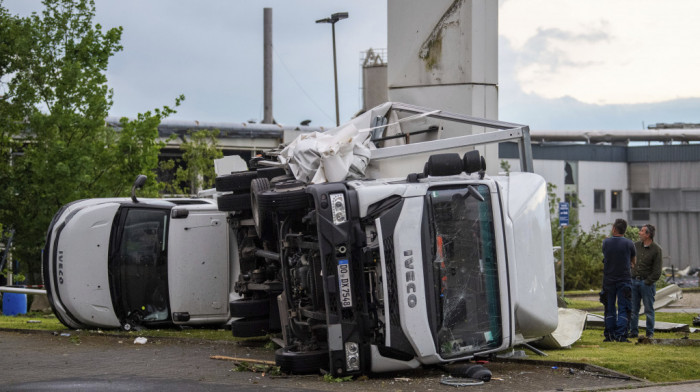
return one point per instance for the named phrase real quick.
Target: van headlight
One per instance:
(352, 356)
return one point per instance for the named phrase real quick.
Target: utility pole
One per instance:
(267, 61)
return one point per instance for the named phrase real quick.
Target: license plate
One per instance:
(344, 283)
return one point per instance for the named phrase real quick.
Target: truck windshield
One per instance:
(465, 271)
(138, 266)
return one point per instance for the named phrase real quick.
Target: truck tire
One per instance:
(301, 362)
(233, 202)
(250, 327)
(271, 172)
(287, 196)
(250, 307)
(264, 220)
(238, 182)
(443, 165)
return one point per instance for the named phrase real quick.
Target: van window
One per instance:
(138, 268)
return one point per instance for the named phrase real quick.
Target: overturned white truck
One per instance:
(374, 275)
(361, 273)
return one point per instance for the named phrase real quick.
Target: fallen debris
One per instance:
(569, 330)
(460, 382)
(247, 360)
(140, 340)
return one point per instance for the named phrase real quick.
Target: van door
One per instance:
(198, 266)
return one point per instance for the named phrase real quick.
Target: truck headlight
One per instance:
(338, 208)
(352, 356)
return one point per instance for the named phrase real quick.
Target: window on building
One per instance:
(599, 200)
(615, 200)
(641, 205)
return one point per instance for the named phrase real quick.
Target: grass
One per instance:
(656, 363)
(50, 323)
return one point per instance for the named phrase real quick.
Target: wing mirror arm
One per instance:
(138, 184)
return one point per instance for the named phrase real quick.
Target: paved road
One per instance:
(39, 361)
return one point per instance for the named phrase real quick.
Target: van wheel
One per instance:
(250, 327)
(301, 362)
(250, 307)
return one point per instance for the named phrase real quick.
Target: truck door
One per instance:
(198, 266)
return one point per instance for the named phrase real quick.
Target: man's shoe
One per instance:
(624, 340)
(650, 336)
(634, 335)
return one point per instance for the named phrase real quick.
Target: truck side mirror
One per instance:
(138, 183)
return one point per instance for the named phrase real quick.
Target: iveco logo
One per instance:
(60, 266)
(410, 279)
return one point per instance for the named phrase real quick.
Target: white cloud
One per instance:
(604, 51)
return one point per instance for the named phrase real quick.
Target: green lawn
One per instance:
(657, 363)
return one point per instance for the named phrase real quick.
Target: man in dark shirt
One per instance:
(644, 276)
(618, 258)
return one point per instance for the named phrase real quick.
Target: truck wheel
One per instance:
(235, 182)
(271, 172)
(250, 327)
(233, 202)
(250, 307)
(443, 165)
(288, 196)
(301, 362)
(264, 223)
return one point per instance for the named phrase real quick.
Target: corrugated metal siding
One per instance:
(678, 233)
(672, 153)
(674, 175)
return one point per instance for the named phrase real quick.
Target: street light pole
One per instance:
(332, 20)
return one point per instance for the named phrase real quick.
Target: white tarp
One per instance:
(344, 152)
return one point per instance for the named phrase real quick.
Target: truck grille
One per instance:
(391, 282)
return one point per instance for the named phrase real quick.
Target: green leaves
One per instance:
(54, 145)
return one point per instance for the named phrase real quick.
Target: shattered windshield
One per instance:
(139, 268)
(465, 271)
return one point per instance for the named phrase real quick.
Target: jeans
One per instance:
(617, 319)
(642, 294)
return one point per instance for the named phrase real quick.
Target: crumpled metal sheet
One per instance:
(569, 330)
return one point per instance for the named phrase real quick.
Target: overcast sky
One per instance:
(563, 64)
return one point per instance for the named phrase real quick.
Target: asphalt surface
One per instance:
(40, 361)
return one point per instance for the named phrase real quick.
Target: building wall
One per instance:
(606, 176)
(670, 175)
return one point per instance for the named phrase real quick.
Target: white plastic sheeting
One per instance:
(343, 153)
(339, 154)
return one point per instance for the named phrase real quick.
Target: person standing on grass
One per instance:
(645, 273)
(619, 256)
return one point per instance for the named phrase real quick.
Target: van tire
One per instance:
(250, 327)
(250, 307)
(301, 362)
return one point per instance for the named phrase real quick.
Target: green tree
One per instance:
(196, 169)
(55, 145)
(583, 267)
